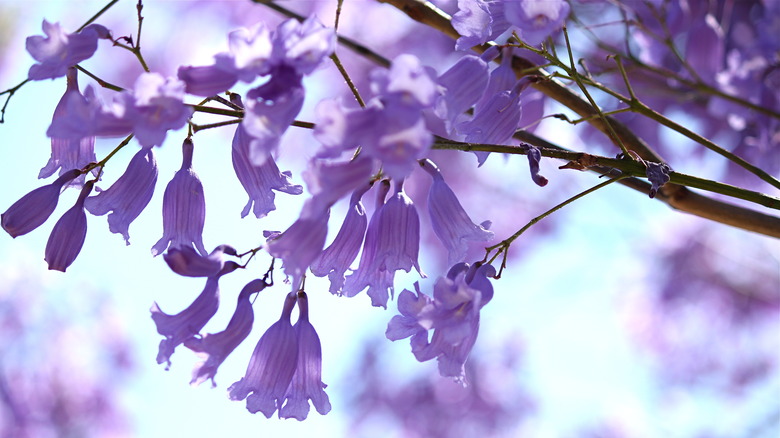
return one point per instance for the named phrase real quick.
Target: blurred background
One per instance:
(616, 317)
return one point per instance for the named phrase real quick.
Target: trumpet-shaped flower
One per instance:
(184, 208)
(271, 367)
(214, 348)
(129, 195)
(449, 220)
(58, 50)
(300, 244)
(186, 324)
(67, 236)
(187, 262)
(306, 383)
(32, 210)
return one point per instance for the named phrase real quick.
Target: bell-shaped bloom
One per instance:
(463, 85)
(336, 258)
(271, 367)
(69, 153)
(300, 244)
(536, 19)
(270, 109)
(259, 181)
(392, 243)
(129, 195)
(452, 314)
(186, 262)
(59, 50)
(87, 116)
(449, 220)
(307, 381)
(303, 46)
(184, 208)
(67, 236)
(328, 182)
(214, 348)
(154, 107)
(32, 210)
(186, 324)
(478, 21)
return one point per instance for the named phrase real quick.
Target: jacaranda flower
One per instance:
(155, 106)
(58, 50)
(184, 208)
(536, 19)
(67, 236)
(32, 210)
(69, 153)
(271, 367)
(300, 244)
(214, 348)
(188, 323)
(187, 262)
(307, 381)
(478, 21)
(129, 195)
(449, 220)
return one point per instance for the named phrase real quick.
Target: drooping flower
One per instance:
(59, 50)
(328, 182)
(271, 367)
(69, 153)
(67, 236)
(300, 244)
(336, 258)
(449, 220)
(184, 208)
(186, 324)
(129, 195)
(452, 314)
(187, 262)
(306, 383)
(86, 116)
(32, 210)
(464, 84)
(259, 181)
(478, 21)
(215, 347)
(392, 243)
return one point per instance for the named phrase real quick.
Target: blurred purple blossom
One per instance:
(187, 262)
(32, 210)
(155, 107)
(67, 236)
(535, 20)
(184, 208)
(129, 195)
(58, 51)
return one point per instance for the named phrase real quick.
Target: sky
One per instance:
(559, 299)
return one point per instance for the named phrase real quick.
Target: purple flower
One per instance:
(86, 116)
(271, 367)
(302, 242)
(478, 21)
(534, 158)
(155, 107)
(658, 175)
(69, 153)
(129, 195)
(449, 220)
(67, 236)
(392, 243)
(215, 347)
(184, 208)
(303, 46)
(58, 50)
(259, 181)
(464, 84)
(32, 210)
(328, 182)
(187, 262)
(270, 109)
(336, 258)
(536, 19)
(452, 314)
(307, 381)
(188, 323)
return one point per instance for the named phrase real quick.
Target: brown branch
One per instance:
(678, 197)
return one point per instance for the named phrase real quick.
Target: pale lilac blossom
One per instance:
(68, 235)
(214, 348)
(155, 107)
(478, 21)
(129, 195)
(271, 367)
(306, 383)
(32, 210)
(449, 220)
(58, 50)
(303, 46)
(300, 244)
(186, 324)
(535, 20)
(184, 208)
(186, 262)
